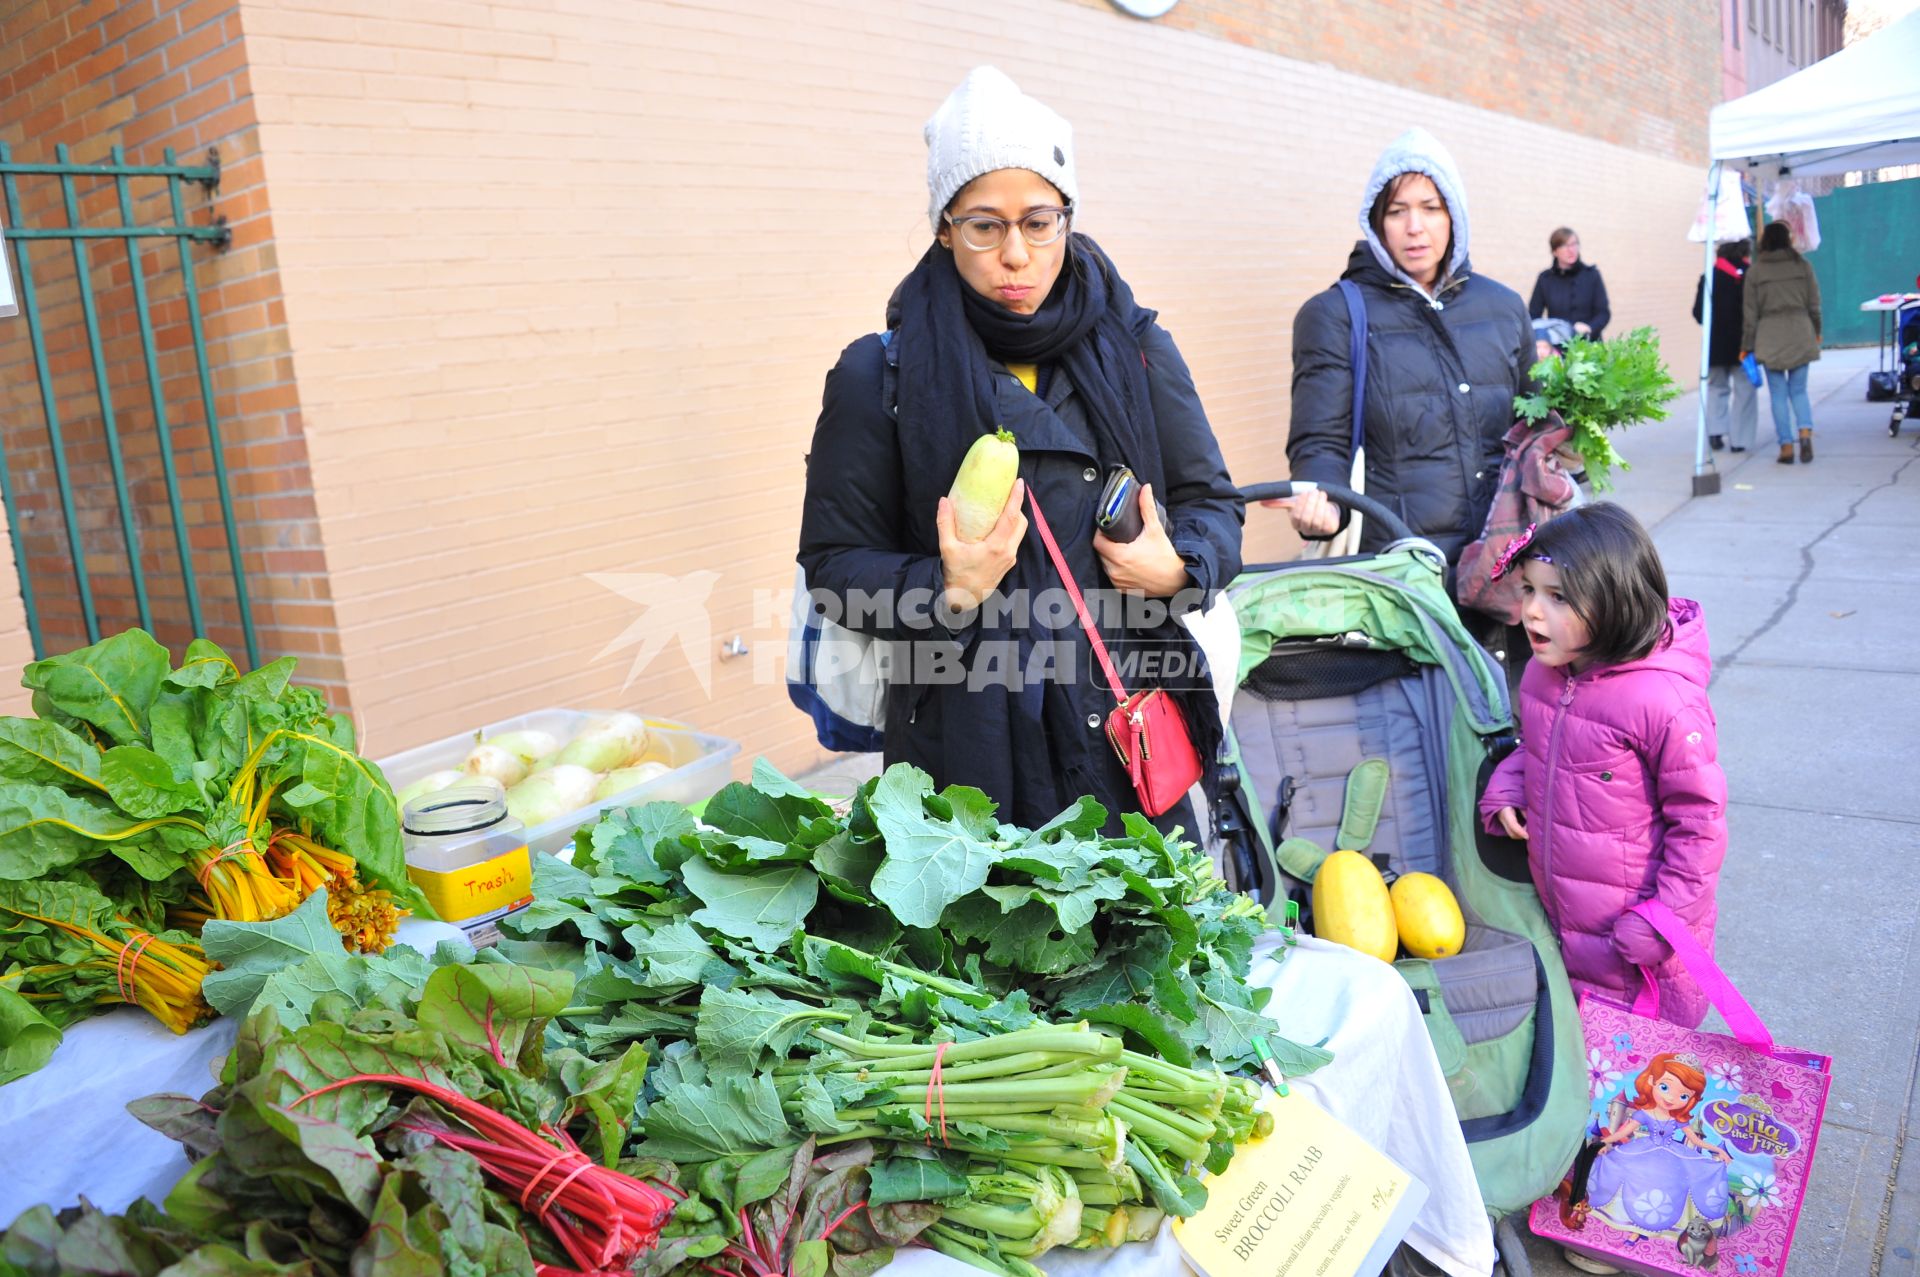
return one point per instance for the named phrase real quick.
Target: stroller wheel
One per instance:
(1511, 1250)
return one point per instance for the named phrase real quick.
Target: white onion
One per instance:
(619, 782)
(531, 744)
(431, 783)
(551, 794)
(499, 764)
(606, 744)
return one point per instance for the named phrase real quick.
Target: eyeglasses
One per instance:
(1039, 228)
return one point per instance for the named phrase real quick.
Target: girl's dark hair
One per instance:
(1735, 249)
(1377, 215)
(1776, 236)
(1611, 577)
(1559, 237)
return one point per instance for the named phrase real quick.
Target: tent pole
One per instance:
(1706, 476)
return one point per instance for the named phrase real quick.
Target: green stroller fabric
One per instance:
(1347, 663)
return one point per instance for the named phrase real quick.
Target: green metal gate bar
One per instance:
(109, 429)
(184, 236)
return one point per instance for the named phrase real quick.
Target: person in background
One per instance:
(1733, 407)
(1571, 289)
(1781, 309)
(1012, 319)
(1448, 350)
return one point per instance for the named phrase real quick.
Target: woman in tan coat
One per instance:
(1782, 329)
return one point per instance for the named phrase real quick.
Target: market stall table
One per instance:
(1384, 1082)
(1888, 305)
(65, 1131)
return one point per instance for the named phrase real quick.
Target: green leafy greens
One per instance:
(1600, 386)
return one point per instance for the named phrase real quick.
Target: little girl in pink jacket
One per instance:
(1617, 774)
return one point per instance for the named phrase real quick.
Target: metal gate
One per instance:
(76, 368)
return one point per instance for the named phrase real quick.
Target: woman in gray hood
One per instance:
(1447, 351)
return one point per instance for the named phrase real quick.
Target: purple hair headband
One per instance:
(1515, 548)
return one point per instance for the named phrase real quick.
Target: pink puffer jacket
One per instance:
(1619, 777)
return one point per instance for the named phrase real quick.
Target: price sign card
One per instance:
(1313, 1199)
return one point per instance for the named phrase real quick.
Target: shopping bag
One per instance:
(1722, 215)
(1534, 486)
(1699, 1146)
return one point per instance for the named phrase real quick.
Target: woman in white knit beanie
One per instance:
(1014, 320)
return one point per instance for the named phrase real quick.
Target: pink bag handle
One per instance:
(1079, 604)
(1741, 1018)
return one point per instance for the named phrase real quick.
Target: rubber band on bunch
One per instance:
(126, 966)
(533, 1182)
(238, 847)
(584, 1165)
(937, 1090)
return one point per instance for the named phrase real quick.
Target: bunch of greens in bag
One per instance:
(1598, 386)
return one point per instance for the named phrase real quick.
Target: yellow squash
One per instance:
(1351, 906)
(1428, 916)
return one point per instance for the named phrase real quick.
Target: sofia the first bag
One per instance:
(1698, 1147)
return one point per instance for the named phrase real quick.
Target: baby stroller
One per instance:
(1550, 337)
(1906, 366)
(1365, 717)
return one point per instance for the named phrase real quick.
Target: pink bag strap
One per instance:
(1741, 1018)
(1079, 604)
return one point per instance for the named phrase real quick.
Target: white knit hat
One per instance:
(987, 123)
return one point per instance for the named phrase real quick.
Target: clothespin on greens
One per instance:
(1290, 923)
(1269, 1065)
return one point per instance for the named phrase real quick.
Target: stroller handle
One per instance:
(1391, 523)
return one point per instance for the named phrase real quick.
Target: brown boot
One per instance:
(1786, 454)
(1806, 447)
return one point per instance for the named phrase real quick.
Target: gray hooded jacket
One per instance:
(1443, 370)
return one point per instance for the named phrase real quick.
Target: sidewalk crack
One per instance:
(1806, 570)
(1880, 1238)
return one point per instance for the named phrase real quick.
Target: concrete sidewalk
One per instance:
(1812, 597)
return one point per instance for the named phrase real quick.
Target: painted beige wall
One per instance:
(562, 288)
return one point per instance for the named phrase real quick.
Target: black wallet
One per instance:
(1118, 514)
(1119, 511)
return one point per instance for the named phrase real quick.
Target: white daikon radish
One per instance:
(985, 481)
(531, 744)
(499, 764)
(551, 794)
(431, 783)
(618, 782)
(606, 744)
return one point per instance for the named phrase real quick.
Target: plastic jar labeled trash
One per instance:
(469, 857)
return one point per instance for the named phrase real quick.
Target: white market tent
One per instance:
(1858, 109)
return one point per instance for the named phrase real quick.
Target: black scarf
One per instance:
(949, 335)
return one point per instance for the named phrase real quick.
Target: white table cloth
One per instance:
(65, 1130)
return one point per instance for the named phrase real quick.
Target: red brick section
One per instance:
(1641, 75)
(148, 75)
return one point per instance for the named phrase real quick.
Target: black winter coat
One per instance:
(1440, 387)
(1577, 296)
(1723, 343)
(868, 525)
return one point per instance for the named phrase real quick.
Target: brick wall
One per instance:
(16, 645)
(150, 75)
(563, 285)
(1640, 75)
